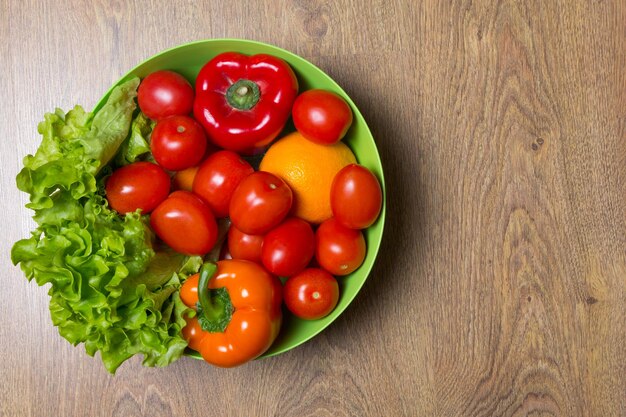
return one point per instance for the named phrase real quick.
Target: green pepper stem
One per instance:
(209, 309)
(243, 94)
(215, 308)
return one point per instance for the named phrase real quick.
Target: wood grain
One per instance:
(501, 286)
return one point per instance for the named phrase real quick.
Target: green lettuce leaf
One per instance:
(110, 125)
(111, 288)
(138, 144)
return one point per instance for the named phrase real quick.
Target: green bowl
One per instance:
(188, 59)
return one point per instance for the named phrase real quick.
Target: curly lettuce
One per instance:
(110, 287)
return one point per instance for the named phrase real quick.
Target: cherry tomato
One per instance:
(311, 294)
(178, 142)
(217, 178)
(185, 223)
(165, 93)
(244, 246)
(260, 203)
(338, 249)
(140, 185)
(321, 116)
(355, 197)
(288, 248)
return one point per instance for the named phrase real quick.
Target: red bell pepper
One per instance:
(243, 101)
(238, 311)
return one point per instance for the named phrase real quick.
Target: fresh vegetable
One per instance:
(110, 287)
(288, 248)
(218, 177)
(239, 311)
(244, 246)
(165, 93)
(260, 203)
(185, 223)
(356, 197)
(242, 101)
(311, 294)
(115, 248)
(178, 142)
(140, 185)
(338, 249)
(136, 147)
(321, 116)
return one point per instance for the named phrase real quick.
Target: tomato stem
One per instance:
(243, 94)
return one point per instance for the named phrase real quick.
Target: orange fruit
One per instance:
(309, 169)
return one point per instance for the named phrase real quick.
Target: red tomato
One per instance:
(355, 197)
(178, 142)
(244, 246)
(165, 93)
(339, 250)
(141, 185)
(311, 294)
(185, 223)
(217, 178)
(260, 203)
(321, 116)
(288, 248)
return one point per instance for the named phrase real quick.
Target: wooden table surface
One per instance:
(500, 289)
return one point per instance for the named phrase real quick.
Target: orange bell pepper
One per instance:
(239, 313)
